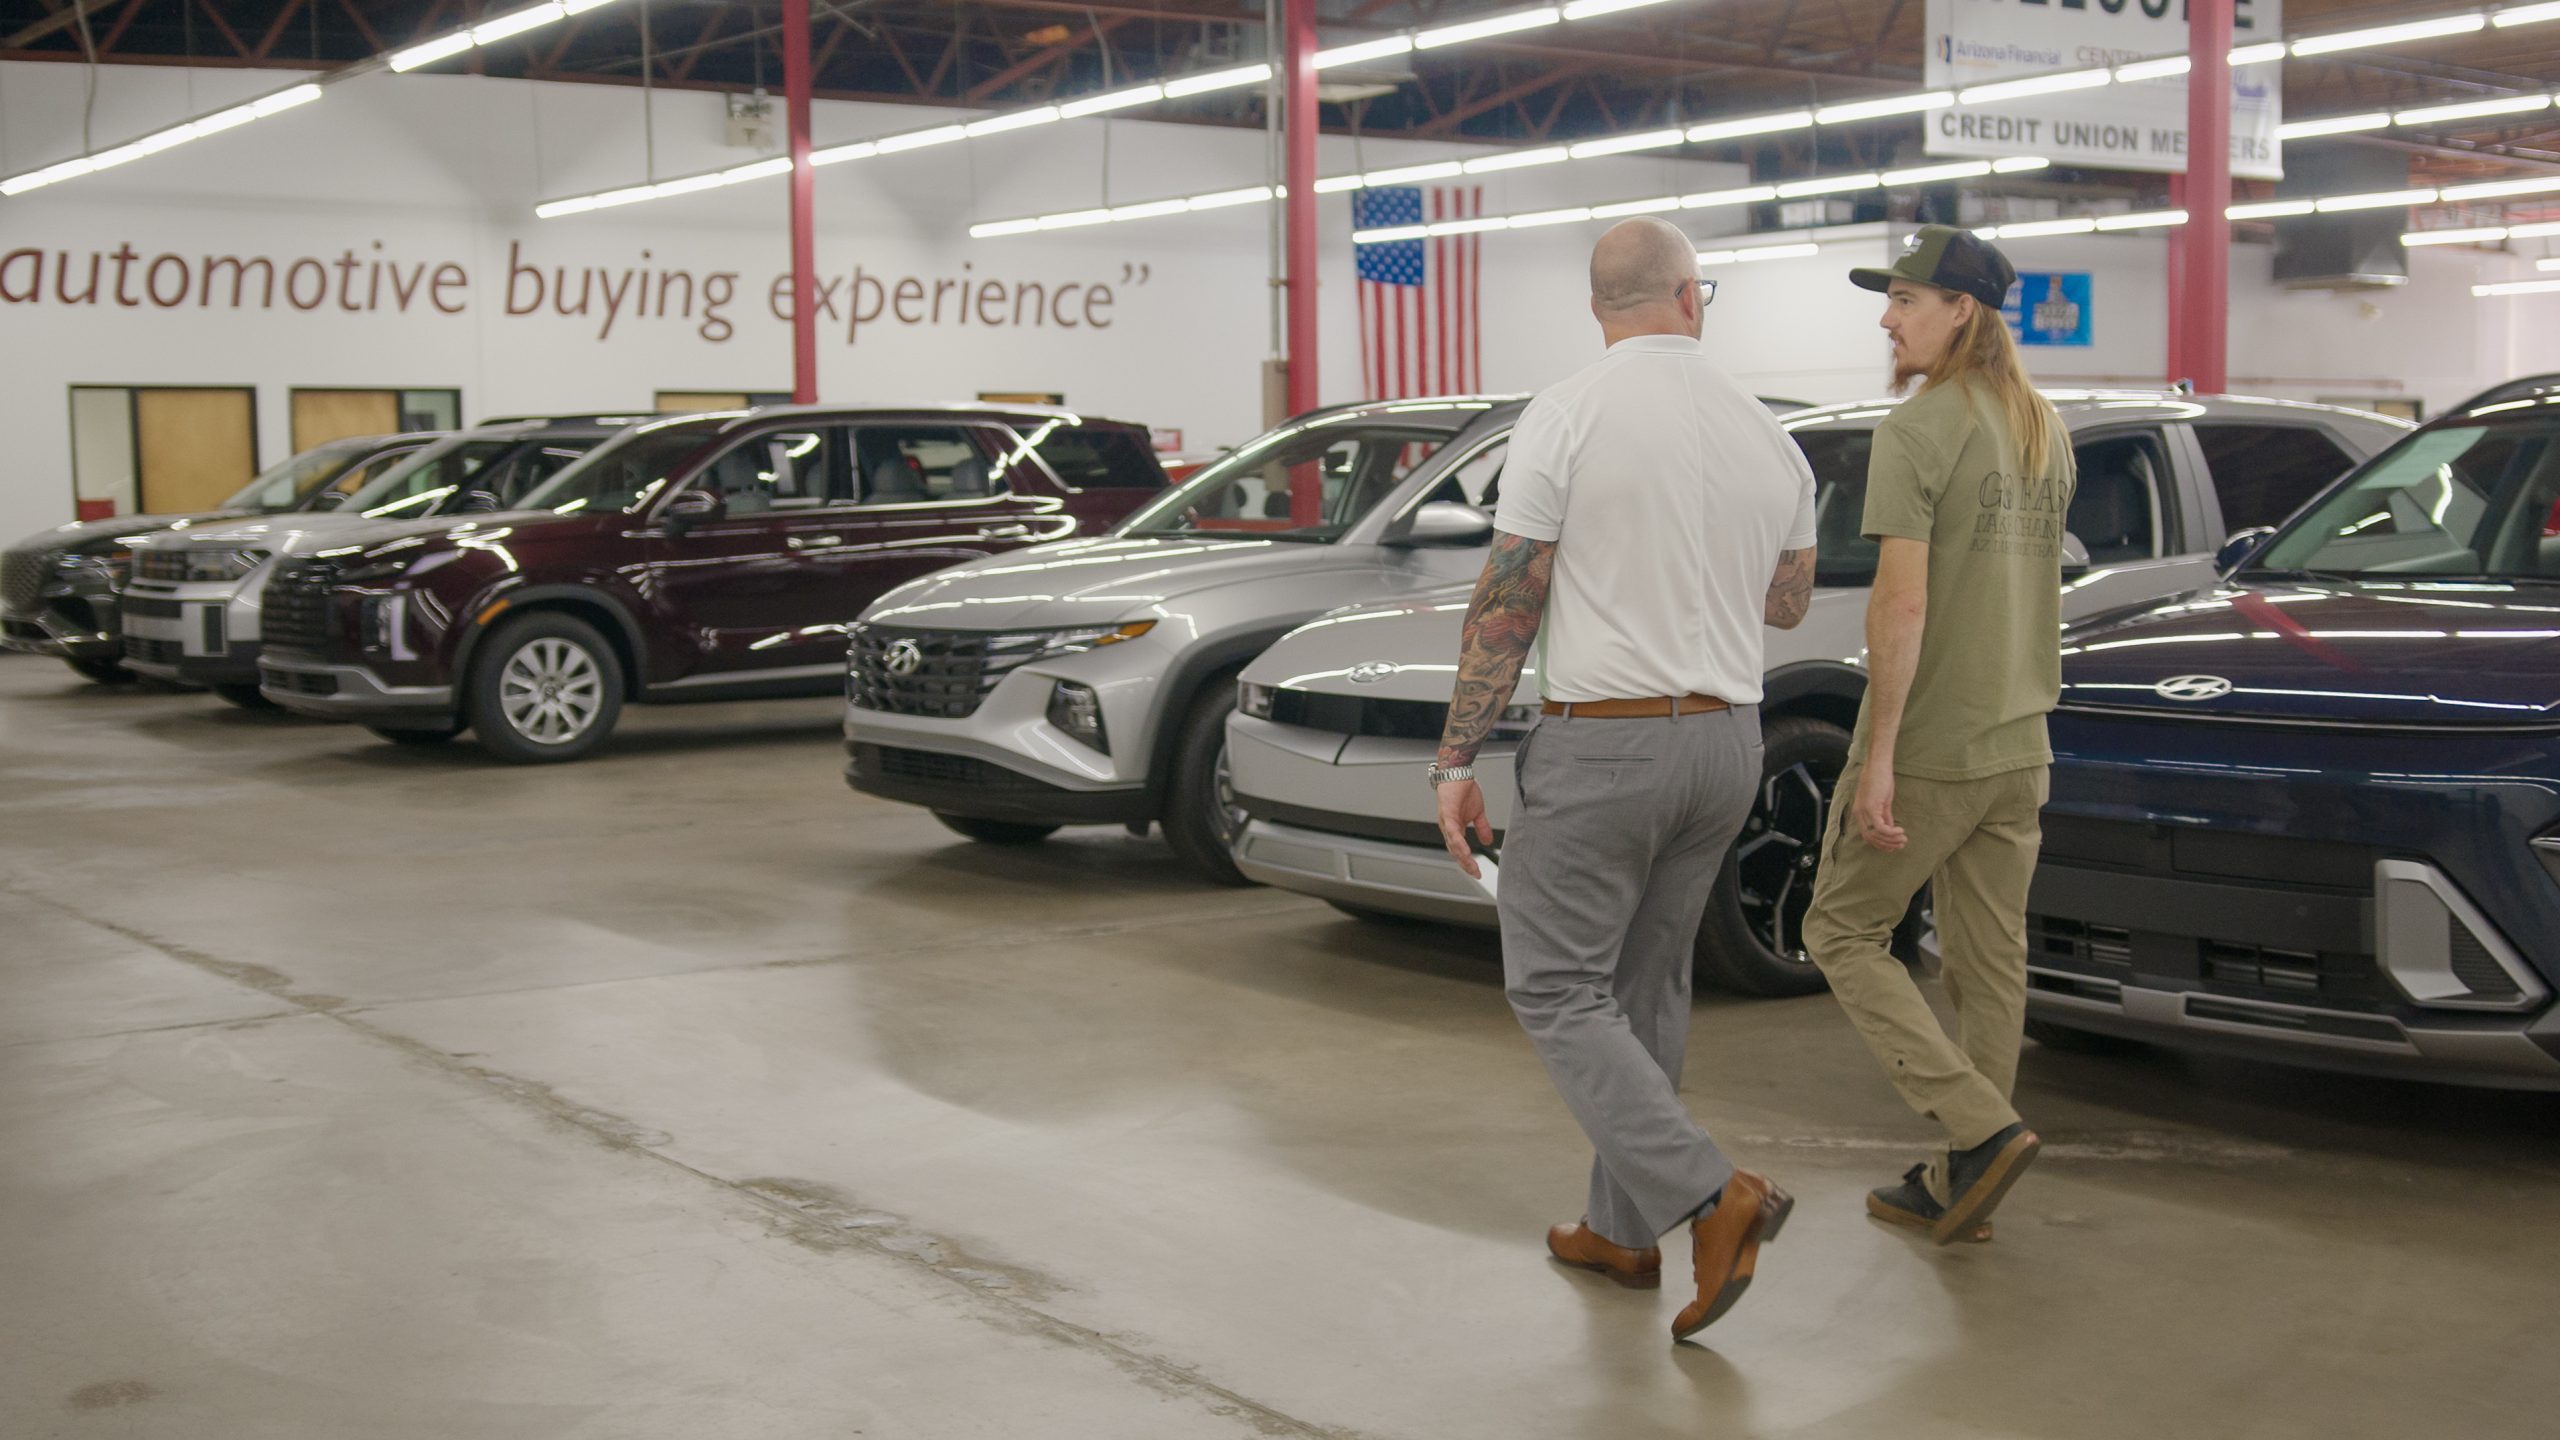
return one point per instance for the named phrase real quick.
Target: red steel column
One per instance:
(804, 225)
(1306, 500)
(2203, 299)
(2177, 253)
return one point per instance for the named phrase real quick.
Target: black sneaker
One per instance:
(1910, 1204)
(1977, 1178)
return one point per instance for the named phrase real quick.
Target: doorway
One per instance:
(690, 402)
(323, 414)
(160, 449)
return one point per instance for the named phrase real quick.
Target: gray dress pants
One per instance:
(1621, 829)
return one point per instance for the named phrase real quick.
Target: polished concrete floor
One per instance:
(352, 1092)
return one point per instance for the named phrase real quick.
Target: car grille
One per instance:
(2050, 938)
(22, 575)
(298, 682)
(950, 674)
(2476, 968)
(297, 606)
(153, 652)
(1360, 715)
(153, 608)
(932, 767)
(164, 565)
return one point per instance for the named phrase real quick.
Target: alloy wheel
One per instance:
(1780, 850)
(551, 691)
(1229, 817)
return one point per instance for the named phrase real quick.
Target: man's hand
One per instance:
(1462, 814)
(1872, 809)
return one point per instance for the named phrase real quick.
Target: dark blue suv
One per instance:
(2312, 814)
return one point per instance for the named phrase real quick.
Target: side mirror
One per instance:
(1445, 524)
(2237, 550)
(2075, 553)
(328, 499)
(478, 502)
(693, 506)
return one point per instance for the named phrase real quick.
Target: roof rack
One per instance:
(2523, 389)
(584, 417)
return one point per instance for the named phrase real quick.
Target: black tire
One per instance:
(415, 737)
(2072, 1041)
(104, 672)
(995, 832)
(1200, 819)
(545, 688)
(244, 694)
(1751, 941)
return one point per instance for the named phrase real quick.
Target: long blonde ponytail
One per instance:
(1983, 350)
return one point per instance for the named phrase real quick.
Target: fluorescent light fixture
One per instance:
(2019, 164)
(1828, 185)
(1074, 219)
(1216, 80)
(2495, 189)
(687, 185)
(1249, 195)
(993, 228)
(2028, 230)
(164, 139)
(51, 174)
(2391, 34)
(282, 100)
(531, 18)
(1334, 184)
(2332, 125)
(1654, 206)
(2548, 263)
(1777, 252)
(1747, 195)
(2163, 68)
(2256, 54)
(1590, 9)
(1114, 100)
(2478, 235)
(1390, 235)
(1149, 210)
(1890, 105)
(2525, 15)
(2534, 231)
(1365, 50)
(1467, 227)
(1438, 170)
(918, 139)
(2473, 109)
(2380, 200)
(1490, 26)
(441, 47)
(2034, 85)
(1018, 120)
(1516, 159)
(2518, 287)
(756, 170)
(2268, 210)
(2143, 220)
(1755, 125)
(1714, 257)
(1932, 174)
(838, 154)
(1551, 217)
(1621, 144)
(554, 209)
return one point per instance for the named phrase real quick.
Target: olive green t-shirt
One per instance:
(1943, 470)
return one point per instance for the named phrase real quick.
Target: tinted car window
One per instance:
(1476, 480)
(1093, 456)
(775, 470)
(1354, 463)
(909, 464)
(2115, 509)
(626, 471)
(289, 484)
(2462, 500)
(1841, 555)
(2264, 473)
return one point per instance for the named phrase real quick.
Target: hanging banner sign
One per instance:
(2136, 126)
(2050, 308)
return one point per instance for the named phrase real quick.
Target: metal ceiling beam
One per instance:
(60, 20)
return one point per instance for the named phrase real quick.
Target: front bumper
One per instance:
(351, 692)
(69, 613)
(1350, 818)
(48, 632)
(1393, 876)
(198, 633)
(955, 784)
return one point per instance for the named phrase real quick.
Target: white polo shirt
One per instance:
(1668, 492)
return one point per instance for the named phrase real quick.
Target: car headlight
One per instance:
(1054, 643)
(223, 564)
(1076, 710)
(1254, 700)
(378, 623)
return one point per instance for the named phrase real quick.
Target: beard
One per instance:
(1904, 372)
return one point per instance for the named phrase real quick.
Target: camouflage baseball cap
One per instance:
(1950, 259)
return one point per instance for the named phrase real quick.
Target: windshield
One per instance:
(626, 471)
(1358, 460)
(288, 485)
(2470, 500)
(462, 475)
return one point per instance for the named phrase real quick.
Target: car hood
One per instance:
(89, 536)
(2435, 654)
(1076, 582)
(309, 534)
(1409, 650)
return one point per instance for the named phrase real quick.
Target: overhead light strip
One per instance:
(488, 32)
(292, 97)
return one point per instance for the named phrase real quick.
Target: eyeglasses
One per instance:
(1706, 291)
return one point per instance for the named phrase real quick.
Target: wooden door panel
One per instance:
(320, 416)
(196, 447)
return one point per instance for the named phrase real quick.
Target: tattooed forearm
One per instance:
(1510, 602)
(1790, 589)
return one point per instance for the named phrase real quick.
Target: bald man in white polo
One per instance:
(1654, 518)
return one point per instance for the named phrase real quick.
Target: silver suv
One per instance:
(1340, 717)
(1088, 682)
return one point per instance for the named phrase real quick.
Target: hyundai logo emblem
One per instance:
(2192, 687)
(906, 657)
(1372, 672)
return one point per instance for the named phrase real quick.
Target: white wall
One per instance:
(437, 175)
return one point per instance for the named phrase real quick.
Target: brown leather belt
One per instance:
(1656, 708)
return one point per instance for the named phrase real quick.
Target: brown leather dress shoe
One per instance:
(1725, 1246)
(1575, 1245)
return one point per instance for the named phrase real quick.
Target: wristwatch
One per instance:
(1445, 774)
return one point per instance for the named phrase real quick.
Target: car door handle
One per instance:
(813, 542)
(1002, 532)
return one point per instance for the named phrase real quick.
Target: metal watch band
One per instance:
(1444, 776)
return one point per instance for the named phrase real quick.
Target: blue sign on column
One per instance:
(2049, 308)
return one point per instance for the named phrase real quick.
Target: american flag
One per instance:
(1418, 330)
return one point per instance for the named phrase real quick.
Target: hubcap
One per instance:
(1229, 816)
(1780, 850)
(551, 691)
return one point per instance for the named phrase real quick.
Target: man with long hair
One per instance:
(1968, 484)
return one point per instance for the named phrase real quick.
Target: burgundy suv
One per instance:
(705, 557)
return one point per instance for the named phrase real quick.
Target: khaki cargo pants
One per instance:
(1977, 839)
